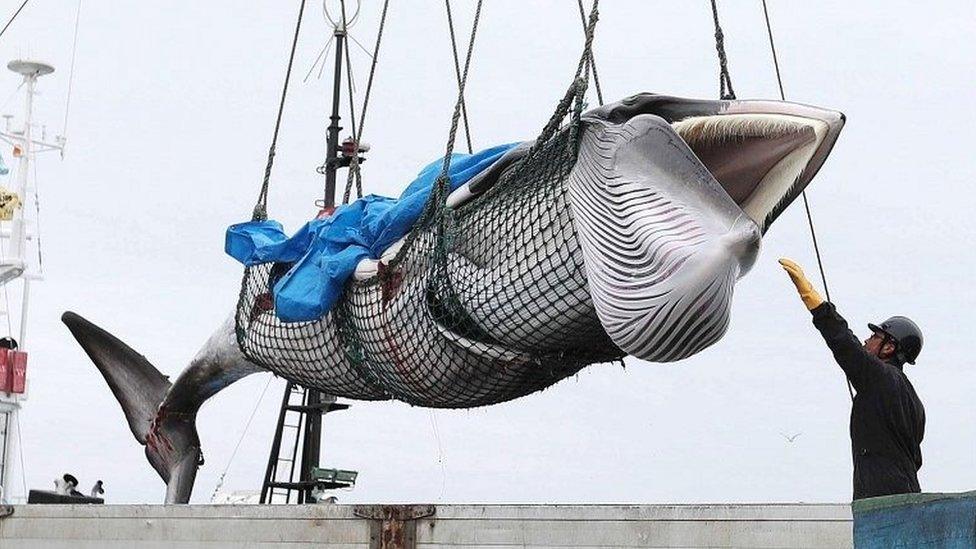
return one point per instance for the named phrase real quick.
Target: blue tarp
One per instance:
(907, 521)
(325, 252)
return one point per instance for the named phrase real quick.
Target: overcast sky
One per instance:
(171, 117)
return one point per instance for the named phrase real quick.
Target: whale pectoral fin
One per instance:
(137, 385)
(483, 349)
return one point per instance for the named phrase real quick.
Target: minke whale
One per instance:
(663, 210)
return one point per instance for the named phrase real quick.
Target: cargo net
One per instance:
(482, 303)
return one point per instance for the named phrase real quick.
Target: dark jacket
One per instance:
(887, 419)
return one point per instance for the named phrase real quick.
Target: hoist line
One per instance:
(806, 202)
(354, 170)
(772, 47)
(261, 208)
(437, 200)
(14, 16)
(71, 74)
(586, 59)
(442, 181)
(20, 450)
(457, 71)
(352, 114)
(240, 440)
(592, 61)
(725, 90)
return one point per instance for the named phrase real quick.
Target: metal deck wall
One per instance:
(468, 526)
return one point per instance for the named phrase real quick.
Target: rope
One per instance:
(806, 203)
(71, 72)
(20, 450)
(442, 181)
(457, 71)
(220, 481)
(596, 77)
(440, 454)
(352, 113)
(14, 16)
(772, 47)
(438, 197)
(261, 208)
(587, 58)
(354, 170)
(575, 90)
(725, 90)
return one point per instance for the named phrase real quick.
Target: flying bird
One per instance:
(790, 438)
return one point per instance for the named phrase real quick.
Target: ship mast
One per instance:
(15, 264)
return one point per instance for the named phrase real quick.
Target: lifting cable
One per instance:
(233, 454)
(726, 92)
(452, 135)
(352, 115)
(261, 207)
(71, 75)
(806, 203)
(457, 71)
(354, 171)
(12, 17)
(592, 60)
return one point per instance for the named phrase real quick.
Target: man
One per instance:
(887, 418)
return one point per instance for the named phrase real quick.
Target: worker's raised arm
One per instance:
(847, 349)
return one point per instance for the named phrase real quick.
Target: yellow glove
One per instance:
(807, 293)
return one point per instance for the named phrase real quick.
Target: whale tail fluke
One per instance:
(169, 435)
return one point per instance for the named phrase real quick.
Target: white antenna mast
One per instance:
(14, 262)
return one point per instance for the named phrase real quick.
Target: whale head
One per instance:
(671, 198)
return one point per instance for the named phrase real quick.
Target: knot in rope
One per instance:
(724, 79)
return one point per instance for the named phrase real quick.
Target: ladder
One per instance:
(291, 475)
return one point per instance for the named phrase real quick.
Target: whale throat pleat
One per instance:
(660, 266)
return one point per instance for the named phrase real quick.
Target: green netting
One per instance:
(481, 303)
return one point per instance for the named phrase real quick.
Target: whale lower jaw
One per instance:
(662, 243)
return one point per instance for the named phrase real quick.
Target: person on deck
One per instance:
(887, 417)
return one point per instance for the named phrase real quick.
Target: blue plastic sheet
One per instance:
(325, 252)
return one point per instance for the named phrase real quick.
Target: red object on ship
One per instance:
(13, 371)
(17, 361)
(6, 378)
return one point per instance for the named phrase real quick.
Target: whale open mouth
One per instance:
(757, 158)
(763, 153)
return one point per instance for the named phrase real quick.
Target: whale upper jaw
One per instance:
(762, 153)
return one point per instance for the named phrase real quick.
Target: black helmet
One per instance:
(907, 336)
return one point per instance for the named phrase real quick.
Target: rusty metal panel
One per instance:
(393, 526)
